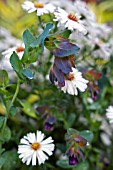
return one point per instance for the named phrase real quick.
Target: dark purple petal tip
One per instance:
(73, 160)
(48, 126)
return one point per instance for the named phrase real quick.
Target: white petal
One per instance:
(24, 141)
(40, 136)
(47, 141)
(31, 137)
(34, 158)
(28, 161)
(41, 157)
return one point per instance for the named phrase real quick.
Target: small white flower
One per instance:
(82, 8)
(33, 147)
(75, 81)
(109, 113)
(18, 49)
(40, 7)
(103, 51)
(69, 20)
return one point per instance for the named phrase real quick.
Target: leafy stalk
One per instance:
(11, 104)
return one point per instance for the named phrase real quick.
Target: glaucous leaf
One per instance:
(41, 38)
(16, 64)
(28, 73)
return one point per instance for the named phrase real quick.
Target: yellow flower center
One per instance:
(70, 76)
(19, 49)
(35, 146)
(72, 17)
(38, 5)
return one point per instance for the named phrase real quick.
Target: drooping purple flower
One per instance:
(73, 160)
(48, 126)
(95, 95)
(49, 123)
(61, 68)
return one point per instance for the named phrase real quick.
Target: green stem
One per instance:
(11, 104)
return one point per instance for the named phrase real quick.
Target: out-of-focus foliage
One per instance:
(103, 11)
(14, 18)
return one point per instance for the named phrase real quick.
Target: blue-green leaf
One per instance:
(16, 64)
(28, 38)
(28, 73)
(64, 164)
(41, 38)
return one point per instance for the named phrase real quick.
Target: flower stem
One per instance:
(11, 104)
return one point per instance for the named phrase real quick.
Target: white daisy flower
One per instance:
(33, 147)
(103, 51)
(18, 49)
(74, 81)
(69, 20)
(109, 113)
(40, 7)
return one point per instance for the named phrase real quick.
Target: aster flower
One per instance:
(82, 8)
(109, 113)
(69, 20)
(33, 147)
(18, 49)
(74, 81)
(40, 7)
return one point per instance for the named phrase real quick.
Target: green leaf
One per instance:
(94, 106)
(28, 110)
(65, 164)
(65, 33)
(3, 78)
(28, 73)
(8, 160)
(1, 120)
(28, 38)
(82, 166)
(16, 64)
(41, 38)
(88, 135)
(5, 135)
(13, 111)
(71, 119)
(70, 131)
